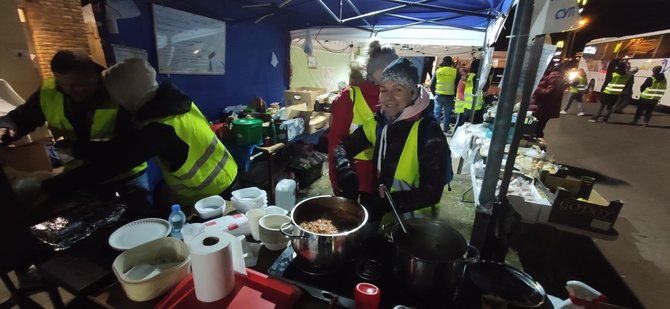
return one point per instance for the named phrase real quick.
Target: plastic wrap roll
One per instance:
(212, 263)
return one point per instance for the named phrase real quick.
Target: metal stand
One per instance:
(516, 52)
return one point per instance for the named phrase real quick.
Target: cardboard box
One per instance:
(323, 107)
(302, 95)
(584, 215)
(318, 121)
(299, 111)
(29, 157)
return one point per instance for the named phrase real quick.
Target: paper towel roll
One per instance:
(212, 263)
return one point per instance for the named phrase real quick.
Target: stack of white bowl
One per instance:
(249, 198)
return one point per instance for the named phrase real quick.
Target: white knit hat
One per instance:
(130, 83)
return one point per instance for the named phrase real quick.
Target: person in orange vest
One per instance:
(351, 108)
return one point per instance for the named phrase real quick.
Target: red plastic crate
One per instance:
(255, 290)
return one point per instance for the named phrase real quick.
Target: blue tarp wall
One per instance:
(249, 49)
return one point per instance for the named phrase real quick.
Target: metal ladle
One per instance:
(395, 210)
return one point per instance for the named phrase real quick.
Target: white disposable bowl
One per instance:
(210, 207)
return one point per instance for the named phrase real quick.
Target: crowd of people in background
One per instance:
(615, 94)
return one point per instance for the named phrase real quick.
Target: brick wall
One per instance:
(55, 25)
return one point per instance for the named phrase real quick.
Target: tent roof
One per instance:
(380, 15)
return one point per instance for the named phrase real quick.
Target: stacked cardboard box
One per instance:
(302, 95)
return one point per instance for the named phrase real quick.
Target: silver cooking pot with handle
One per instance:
(348, 216)
(430, 257)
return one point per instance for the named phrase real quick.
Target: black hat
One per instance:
(401, 71)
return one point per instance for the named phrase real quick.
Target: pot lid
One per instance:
(506, 282)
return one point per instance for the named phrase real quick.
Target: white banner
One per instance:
(550, 16)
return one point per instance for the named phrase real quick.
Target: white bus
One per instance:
(644, 51)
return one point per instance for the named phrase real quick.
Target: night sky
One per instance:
(612, 18)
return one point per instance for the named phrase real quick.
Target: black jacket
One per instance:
(434, 154)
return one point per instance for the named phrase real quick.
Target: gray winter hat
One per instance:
(403, 72)
(378, 57)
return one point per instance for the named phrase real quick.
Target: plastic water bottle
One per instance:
(177, 219)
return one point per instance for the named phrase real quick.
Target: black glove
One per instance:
(347, 182)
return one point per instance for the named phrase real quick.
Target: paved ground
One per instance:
(633, 163)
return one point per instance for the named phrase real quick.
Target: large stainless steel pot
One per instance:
(325, 249)
(430, 257)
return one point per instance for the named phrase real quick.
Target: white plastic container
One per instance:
(149, 270)
(285, 194)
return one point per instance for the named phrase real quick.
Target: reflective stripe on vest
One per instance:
(209, 168)
(655, 91)
(616, 85)
(362, 113)
(445, 81)
(580, 87)
(459, 106)
(103, 127)
(469, 85)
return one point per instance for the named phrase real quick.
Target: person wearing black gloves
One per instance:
(411, 153)
(193, 162)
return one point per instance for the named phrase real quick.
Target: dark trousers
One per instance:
(622, 102)
(606, 101)
(647, 107)
(541, 124)
(575, 97)
(479, 116)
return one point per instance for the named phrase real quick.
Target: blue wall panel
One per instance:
(249, 48)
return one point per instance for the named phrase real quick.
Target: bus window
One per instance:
(664, 49)
(626, 48)
(645, 47)
(609, 50)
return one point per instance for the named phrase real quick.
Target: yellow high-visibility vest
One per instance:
(445, 82)
(406, 175)
(580, 87)
(616, 85)
(209, 168)
(52, 103)
(655, 91)
(362, 113)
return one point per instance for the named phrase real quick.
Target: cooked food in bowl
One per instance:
(320, 226)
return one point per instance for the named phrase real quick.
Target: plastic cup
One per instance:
(367, 296)
(253, 215)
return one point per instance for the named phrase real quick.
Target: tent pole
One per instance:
(357, 11)
(533, 62)
(327, 9)
(369, 14)
(443, 8)
(515, 54)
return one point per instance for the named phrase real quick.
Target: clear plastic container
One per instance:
(285, 194)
